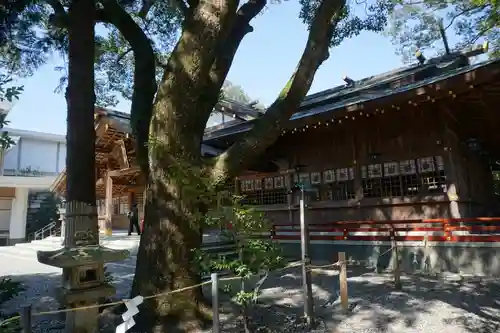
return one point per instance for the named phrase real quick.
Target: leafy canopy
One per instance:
(33, 31)
(415, 24)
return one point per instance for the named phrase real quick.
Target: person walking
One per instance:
(133, 217)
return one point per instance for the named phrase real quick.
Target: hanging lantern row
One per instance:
(339, 121)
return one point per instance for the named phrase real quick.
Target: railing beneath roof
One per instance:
(27, 173)
(484, 230)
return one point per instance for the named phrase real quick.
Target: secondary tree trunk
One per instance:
(80, 157)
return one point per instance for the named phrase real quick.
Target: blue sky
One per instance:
(262, 66)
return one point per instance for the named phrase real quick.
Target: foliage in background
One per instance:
(253, 256)
(238, 94)
(8, 94)
(47, 212)
(415, 24)
(8, 290)
(32, 32)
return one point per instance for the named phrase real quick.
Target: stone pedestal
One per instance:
(82, 260)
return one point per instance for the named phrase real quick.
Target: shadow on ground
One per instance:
(425, 304)
(42, 294)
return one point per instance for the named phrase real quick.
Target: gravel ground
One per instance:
(425, 304)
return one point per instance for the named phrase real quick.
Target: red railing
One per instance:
(481, 229)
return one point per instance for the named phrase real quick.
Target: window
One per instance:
(409, 177)
(432, 174)
(404, 178)
(391, 186)
(338, 184)
(264, 191)
(311, 182)
(371, 176)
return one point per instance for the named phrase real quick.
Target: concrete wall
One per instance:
(43, 153)
(476, 258)
(17, 227)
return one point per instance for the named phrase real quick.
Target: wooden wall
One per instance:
(393, 141)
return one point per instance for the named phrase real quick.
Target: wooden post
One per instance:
(215, 303)
(395, 261)
(108, 230)
(26, 318)
(306, 273)
(344, 298)
(426, 253)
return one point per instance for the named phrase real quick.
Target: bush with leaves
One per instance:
(9, 289)
(254, 256)
(7, 94)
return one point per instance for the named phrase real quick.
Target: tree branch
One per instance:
(60, 17)
(121, 56)
(144, 76)
(267, 128)
(226, 50)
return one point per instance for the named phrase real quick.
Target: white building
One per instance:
(32, 164)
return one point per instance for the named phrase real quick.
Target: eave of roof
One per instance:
(121, 120)
(365, 94)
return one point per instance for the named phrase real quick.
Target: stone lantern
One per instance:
(82, 260)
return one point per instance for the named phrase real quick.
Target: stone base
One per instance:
(88, 295)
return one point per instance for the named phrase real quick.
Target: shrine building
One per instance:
(418, 142)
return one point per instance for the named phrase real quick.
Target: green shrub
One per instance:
(8, 290)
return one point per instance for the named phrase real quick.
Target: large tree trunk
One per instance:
(80, 157)
(175, 191)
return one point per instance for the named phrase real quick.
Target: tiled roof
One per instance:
(371, 88)
(380, 86)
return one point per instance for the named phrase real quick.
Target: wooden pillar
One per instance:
(289, 196)
(131, 200)
(108, 228)
(451, 157)
(356, 164)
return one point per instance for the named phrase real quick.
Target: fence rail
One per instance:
(465, 230)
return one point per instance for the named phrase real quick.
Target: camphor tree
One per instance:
(173, 92)
(187, 92)
(416, 24)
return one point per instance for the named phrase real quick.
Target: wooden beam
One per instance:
(101, 129)
(125, 171)
(119, 153)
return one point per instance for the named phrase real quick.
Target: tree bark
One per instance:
(227, 48)
(80, 157)
(267, 128)
(174, 190)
